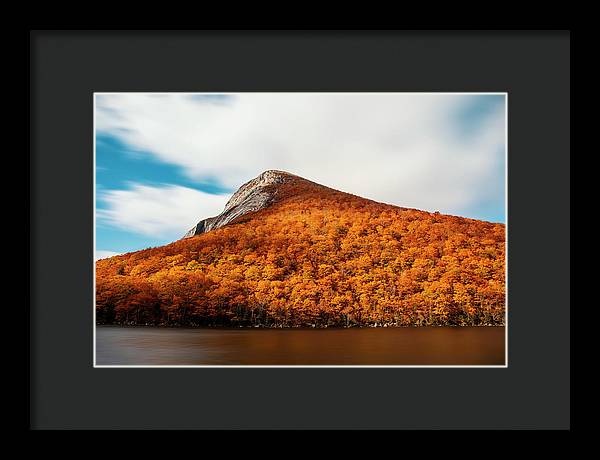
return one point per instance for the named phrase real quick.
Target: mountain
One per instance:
(290, 252)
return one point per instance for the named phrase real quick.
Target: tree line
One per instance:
(316, 259)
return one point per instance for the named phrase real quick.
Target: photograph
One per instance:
(300, 229)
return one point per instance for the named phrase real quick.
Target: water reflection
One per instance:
(399, 346)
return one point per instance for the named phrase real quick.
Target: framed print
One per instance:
(292, 222)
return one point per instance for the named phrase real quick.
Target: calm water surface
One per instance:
(408, 346)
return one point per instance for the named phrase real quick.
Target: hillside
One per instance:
(290, 252)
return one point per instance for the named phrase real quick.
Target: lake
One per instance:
(116, 345)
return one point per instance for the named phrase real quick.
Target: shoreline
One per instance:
(164, 326)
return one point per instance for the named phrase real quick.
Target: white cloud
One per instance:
(397, 148)
(165, 211)
(100, 254)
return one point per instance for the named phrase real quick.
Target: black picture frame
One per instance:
(67, 67)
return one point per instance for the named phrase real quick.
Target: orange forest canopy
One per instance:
(314, 257)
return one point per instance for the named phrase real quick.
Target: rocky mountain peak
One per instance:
(254, 195)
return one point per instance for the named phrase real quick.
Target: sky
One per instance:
(165, 161)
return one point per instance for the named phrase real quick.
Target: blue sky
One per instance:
(121, 167)
(165, 161)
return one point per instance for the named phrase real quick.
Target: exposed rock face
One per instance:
(252, 196)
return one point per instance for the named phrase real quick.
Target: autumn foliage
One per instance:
(316, 257)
